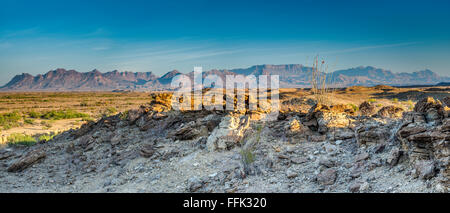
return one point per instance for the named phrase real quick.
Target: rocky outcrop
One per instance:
(366, 108)
(194, 129)
(26, 161)
(322, 118)
(431, 109)
(390, 112)
(425, 135)
(228, 133)
(373, 131)
(446, 101)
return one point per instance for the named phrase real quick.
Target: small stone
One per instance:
(194, 184)
(425, 169)
(147, 151)
(283, 157)
(324, 161)
(338, 142)
(357, 169)
(327, 177)
(394, 156)
(291, 174)
(290, 149)
(362, 156)
(5, 155)
(354, 187)
(440, 188)
(379, 148)
(364, 187)
(330, 148)
(299, 160)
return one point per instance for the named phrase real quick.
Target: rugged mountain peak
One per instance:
(170, 74)
(291, 75)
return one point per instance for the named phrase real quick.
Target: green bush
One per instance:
(410, 104)
(247, 156)
(372, 100)
(354, 107)
(46, 137)
(28, 121)
(87, 119)
(110, 111)
(123, 115)
(20, 139)
(63, 114)
(9, 120)
(33, 114)
(395, 100)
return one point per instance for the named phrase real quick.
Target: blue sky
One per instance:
(159, 36)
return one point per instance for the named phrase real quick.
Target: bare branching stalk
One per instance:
(319, 82)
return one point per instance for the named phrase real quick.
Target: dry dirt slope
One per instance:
(327, 149)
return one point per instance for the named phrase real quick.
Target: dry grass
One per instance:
(46, 112)
(84, 102)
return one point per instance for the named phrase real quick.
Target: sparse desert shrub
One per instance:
(110, 111)
(123, 115)
(87, 119)
(47, 125)
(354, 107)
(28, 121)
(410, 104)
(372, 100)
(395, 100)
(379, 105)
(46, 137)
(34, 114)
(20, 139)
(247, 155)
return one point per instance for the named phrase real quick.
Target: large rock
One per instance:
(390, 112)
(446, 101)
(372, 132)
(323, 118)
(425, 169)
(366, 108)
(26, 161)
(424, 134)
(194, 129)
(294, 129)
(229, 132)
(432, 109)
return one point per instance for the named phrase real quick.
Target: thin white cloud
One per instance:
(100, 48)
(17, 33)
(356, 49)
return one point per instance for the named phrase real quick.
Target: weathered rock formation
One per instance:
(425, 135)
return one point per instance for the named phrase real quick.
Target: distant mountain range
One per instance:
(291, 75)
